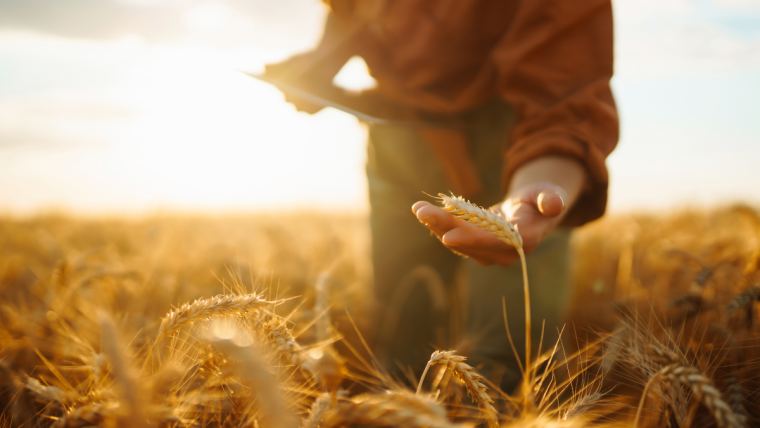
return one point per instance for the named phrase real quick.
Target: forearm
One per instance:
(335, 47)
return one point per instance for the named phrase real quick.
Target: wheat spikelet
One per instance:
(735, 398)
(482, 218)
(46, 392)
(280, 338)
(472, 380)
(392, 408)
(582, 405)
(319, 407)
(703, 389)
(201, 309)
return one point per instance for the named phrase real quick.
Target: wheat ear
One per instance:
(482, 218)
(201, 309)
(703, 389)
(473, 381)
(505, 232)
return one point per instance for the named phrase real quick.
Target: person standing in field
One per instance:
(524, 120)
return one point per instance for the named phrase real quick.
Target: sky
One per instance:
(137, 106)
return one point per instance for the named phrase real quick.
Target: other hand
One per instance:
(297, 70)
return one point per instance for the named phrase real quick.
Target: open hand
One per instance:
(535, 209)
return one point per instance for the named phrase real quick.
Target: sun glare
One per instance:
(208, 137)
(209, 16)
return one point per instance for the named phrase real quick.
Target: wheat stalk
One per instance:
(507, 233)
(205, 308)
(473, 381)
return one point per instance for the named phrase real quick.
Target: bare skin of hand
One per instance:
(541, 193)
(292, 70)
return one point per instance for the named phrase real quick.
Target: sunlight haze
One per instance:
(130, 107)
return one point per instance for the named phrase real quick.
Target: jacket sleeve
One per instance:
(554, 67)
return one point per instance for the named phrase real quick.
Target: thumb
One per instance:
(550, 202)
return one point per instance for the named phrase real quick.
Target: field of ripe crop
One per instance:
(264, 321)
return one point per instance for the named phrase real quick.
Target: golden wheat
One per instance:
(482, 218)
(473, 381)
(704, 390)
(62, 365)
(506, 232)
(391, 408)
(205, 308)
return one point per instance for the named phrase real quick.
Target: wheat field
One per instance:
(263, 321)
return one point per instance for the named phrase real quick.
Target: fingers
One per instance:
(435, 218)
(478, 244)
(547, 199)
(465, 238)
(550, 203)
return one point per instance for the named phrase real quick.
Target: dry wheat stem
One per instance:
(506, 232)
(201, 309)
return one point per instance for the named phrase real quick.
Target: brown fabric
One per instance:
(551, 60)
(451, 148)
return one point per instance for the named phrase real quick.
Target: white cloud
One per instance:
(667, 39)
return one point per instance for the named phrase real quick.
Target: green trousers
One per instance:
(429, 298)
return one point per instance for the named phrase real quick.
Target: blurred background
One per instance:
(138, 106)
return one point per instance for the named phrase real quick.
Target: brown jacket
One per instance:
(551, 60)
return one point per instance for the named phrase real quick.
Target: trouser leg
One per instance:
(548, 269)
(400, 168)
(548, 273)
(412, 271)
